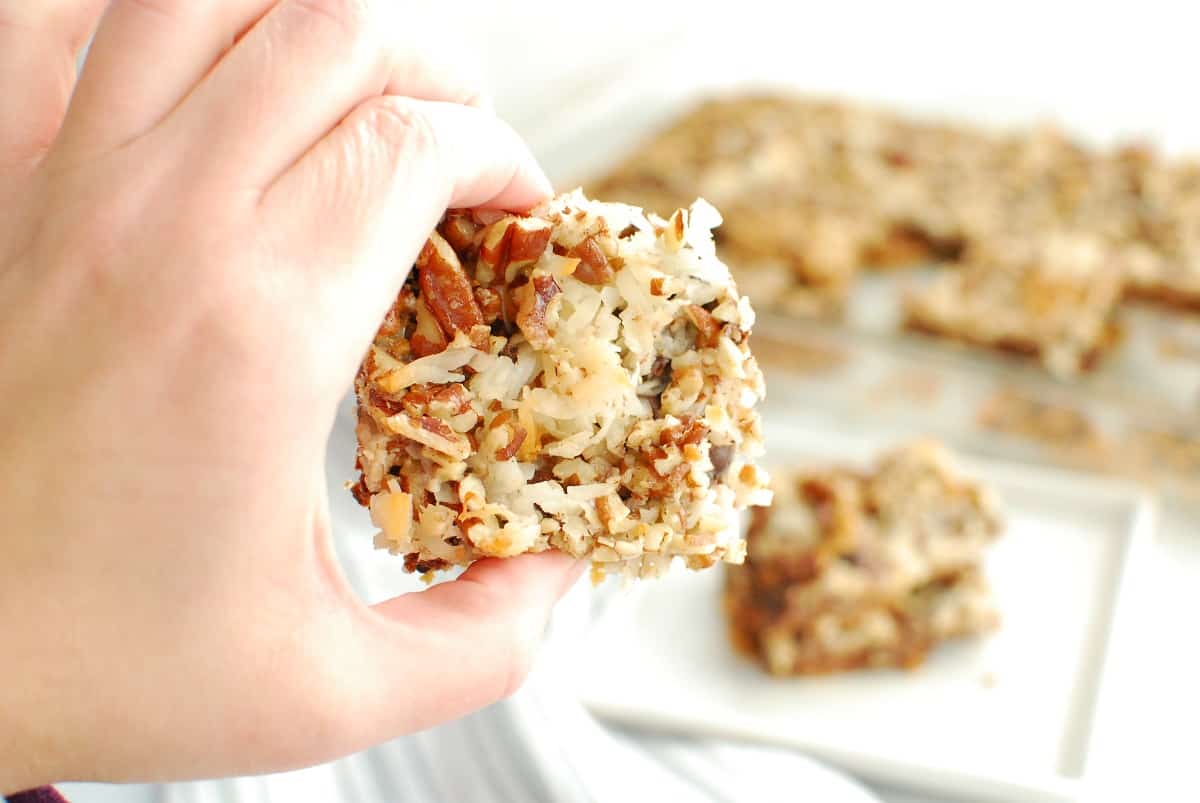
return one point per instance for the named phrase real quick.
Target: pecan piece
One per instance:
(445, 288)
(490, 302)
(509, 244)
(460, 230)
(428, 337)
(593, 265)
(516, 434)
(450, 400)
(383, 404)
(431, 432)
(708, 330)
(533, 302)
(676, 231)
(687, 431)
(532, 444)
(530, 236)
(613, 514)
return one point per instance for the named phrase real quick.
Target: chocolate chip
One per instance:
(720, 457)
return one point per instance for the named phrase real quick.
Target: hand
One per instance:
(193, 258)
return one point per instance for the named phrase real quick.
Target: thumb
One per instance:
(428, 657)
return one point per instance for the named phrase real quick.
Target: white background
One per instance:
(1105, 69)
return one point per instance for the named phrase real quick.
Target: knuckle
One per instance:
(401, 125)
(349, 16)
(163, 8)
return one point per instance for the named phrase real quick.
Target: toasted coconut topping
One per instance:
(542, 382)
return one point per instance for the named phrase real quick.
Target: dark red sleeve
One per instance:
(44, 794)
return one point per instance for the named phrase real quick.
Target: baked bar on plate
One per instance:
(1164, 263)
(850, 569)
(578, 378)
(1054, 300)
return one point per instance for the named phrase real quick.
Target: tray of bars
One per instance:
(1014, 291)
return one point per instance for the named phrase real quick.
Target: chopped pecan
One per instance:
(675, 233)
(516, 434)
(445, 288)
(436, 426)
(530, 236)
(460, 230)
(708, 329)
(689, 430)
(490, 302)
(370, 365)
(428, 337)
(383, 403)
(509, 244)
(593, 266)
(361, 493)
(612, 512)
(493, 252)
(736, 334)
(532, 444)
(440, 400)
(431, 432)
(660, 367)
(534, 299)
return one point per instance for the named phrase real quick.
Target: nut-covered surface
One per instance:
(579, 378)
(811, 190)
(1055, 300)
(850, 569)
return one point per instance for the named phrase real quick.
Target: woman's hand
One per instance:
(196, 247)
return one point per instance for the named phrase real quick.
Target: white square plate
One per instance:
(1007, 717)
